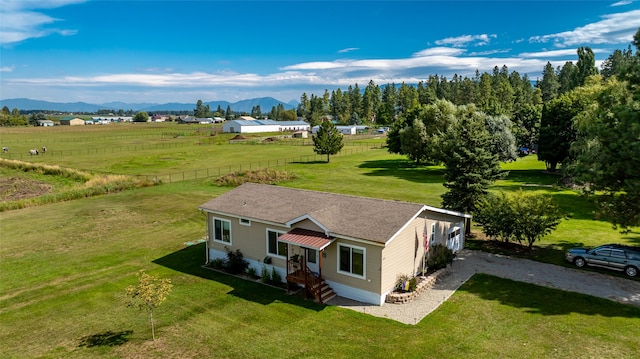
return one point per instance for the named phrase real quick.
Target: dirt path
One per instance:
(467, 263)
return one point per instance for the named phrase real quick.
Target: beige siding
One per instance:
(308, 224)
(250, 240)
(399, 256)
(370, 283)
(443, 223)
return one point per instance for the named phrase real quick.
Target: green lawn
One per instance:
(64, 267)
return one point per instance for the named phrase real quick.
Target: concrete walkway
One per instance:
(467, 263)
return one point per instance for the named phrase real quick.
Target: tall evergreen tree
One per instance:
(550, 84)
(586, 65)
(355, 98)
(617, 62)
(407, 98)
(200, 110)
(470, 165)
(567, 77)
(228, 114)
(370, 101)
(328, 141)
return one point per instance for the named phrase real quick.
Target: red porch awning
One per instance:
(306, 238)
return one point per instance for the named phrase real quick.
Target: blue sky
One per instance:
(181, 51)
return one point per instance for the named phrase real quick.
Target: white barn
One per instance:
(250, 126)
(256, 126)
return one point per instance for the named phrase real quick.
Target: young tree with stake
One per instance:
(150, 292)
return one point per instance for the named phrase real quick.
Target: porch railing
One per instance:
(300, 273)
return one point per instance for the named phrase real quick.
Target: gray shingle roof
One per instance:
(371, 219)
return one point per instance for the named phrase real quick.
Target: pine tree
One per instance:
(470, 165)
(328, 141)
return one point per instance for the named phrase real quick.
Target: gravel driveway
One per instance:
(468, 262)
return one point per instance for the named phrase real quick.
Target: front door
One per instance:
(312, 259)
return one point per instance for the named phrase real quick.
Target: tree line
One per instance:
(578, 118)
(278, 113)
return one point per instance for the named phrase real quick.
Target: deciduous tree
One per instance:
(150, 292)
(523, 217)
(556, 129)
(535, 217)
(141, 117)
(414, 142)
(607, 151)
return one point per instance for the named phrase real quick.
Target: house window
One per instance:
(454, 239)
(274, 246)
(433, 233)
(351, 260)
(245, 222)
(221, 230)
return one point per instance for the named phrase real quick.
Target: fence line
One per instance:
(142, 147)
(76, 139)
(96, 150)
(349, 149)
(219, 171)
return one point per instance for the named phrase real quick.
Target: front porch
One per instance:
(310, 244)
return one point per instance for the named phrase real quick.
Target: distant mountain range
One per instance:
(25, 104)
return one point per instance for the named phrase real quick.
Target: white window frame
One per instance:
(244, 222)
(364, 261)
(279, 233)
(454, 238)
(214, 219)
(433, 234)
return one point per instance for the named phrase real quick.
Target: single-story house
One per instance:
(189, 120)
(250, 126)
(45, 123)
(159, 118)
(72, 122)
(356, 247)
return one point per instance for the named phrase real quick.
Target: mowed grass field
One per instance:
(64, 266)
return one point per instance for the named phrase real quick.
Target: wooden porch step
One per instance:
(326, 292)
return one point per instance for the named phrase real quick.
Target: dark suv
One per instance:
(612, 256)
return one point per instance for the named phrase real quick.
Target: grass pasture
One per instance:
(64, 267)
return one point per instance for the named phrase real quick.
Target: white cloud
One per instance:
(551, 53)
(443, 61)
(560, 53)
(612, 29)
(489, 52)
(463, 40)
(622, 3)
(348, 49)
(19, 21)
(7, 68)
(439, 51)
